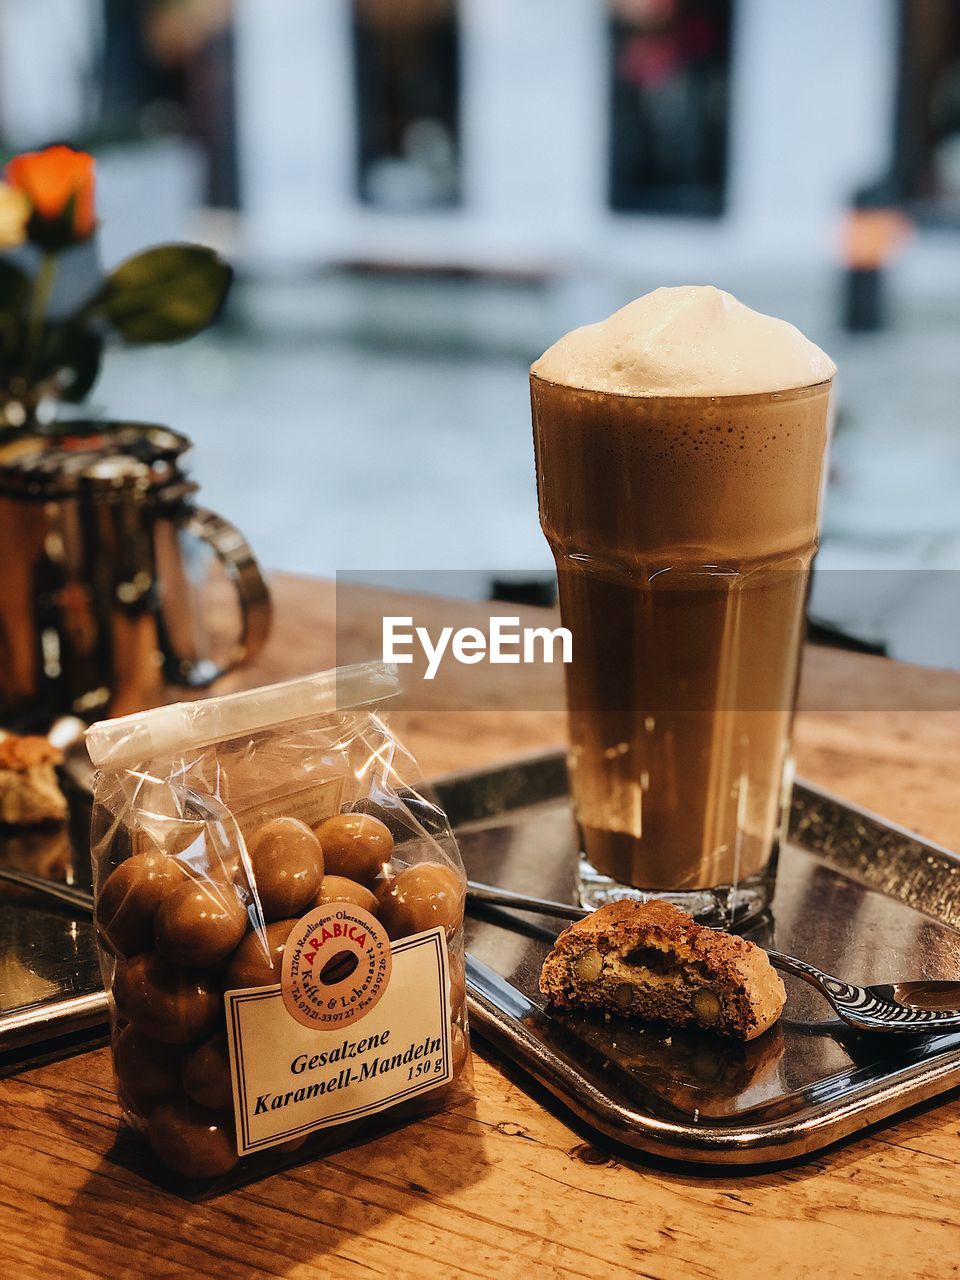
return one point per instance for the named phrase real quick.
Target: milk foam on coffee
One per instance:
(694, 340)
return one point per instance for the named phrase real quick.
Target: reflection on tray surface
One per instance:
(42, 851)
(692, 1070)
(45, 953)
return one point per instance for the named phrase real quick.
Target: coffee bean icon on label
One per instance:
(339, 968)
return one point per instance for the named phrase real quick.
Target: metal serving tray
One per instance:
(855, 895)
(52, 1000)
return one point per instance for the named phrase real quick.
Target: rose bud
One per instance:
(59, 184)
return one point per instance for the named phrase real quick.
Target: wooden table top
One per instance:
(507, 1185)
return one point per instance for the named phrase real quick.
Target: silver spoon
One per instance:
(907, 1007)
(910, 1008)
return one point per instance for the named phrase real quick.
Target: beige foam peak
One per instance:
(693, 340)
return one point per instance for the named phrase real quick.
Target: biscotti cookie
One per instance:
(29, 790)
(650, 960)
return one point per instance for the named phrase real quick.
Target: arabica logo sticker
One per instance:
(336, 966)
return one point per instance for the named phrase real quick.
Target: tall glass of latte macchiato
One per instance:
(680, 449)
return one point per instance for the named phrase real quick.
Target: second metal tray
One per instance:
(855, 895)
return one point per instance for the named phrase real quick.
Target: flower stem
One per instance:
(42, 290)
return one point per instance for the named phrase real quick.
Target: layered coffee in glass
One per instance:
(680, 449)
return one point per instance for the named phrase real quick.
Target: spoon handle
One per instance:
(476, 893)
(493, 897)
(825, 983)
(485, 893)
(65, 893)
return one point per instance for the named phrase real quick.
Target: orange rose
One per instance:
(59, 184)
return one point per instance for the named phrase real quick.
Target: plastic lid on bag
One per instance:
(133, 739)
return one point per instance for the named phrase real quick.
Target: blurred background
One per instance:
(421, 195)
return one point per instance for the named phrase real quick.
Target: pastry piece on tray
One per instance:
(650, 960)
(29, 790)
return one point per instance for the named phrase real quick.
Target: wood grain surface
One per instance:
(507, 1185)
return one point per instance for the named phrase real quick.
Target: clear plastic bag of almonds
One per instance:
(280, 921)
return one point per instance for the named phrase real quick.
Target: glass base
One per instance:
(725, 906)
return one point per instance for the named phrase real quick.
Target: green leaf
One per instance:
(164, 294)
(78, 360)
(14, 287)
(69, 359)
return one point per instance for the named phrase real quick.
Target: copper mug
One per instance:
(113, 582)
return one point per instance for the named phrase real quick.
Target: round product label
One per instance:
(336, 966)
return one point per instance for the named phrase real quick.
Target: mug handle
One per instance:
(240, 565)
